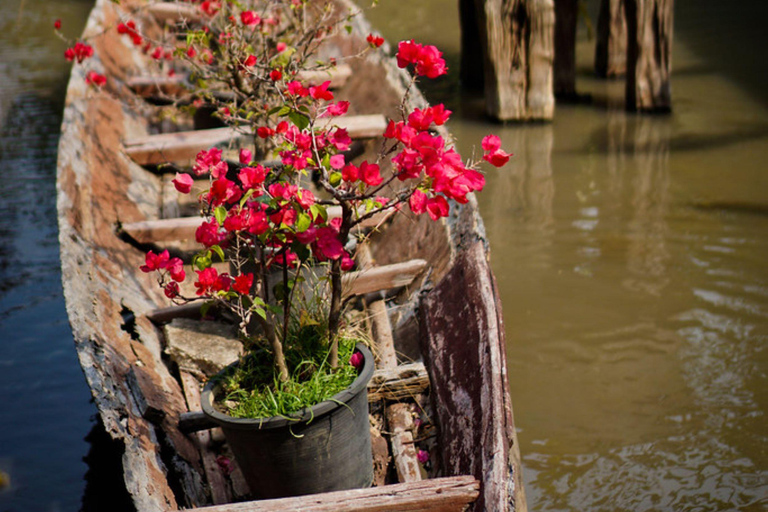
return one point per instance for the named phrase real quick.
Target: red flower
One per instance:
(437, 207)
(265, 132)
(350, 173)
(275, 75)
(57, 24)
(95, 79)
(175, 268)
(374, 41)
(249, 18)
(295, 88)
(369, 173)
(243, 284)
(418, 202)
(209, 161)
(171, 290)
(207, 280)
(427, 58)
(250, 61)
(79, 52)
(245, 156)
(252, 177)
(183, 182)
(357, 360)
(336, 109)
(494, 154)
(155, 261)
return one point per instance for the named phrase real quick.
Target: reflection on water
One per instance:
(630, 251)
(45, 411)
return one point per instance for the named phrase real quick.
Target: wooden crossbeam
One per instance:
(385, 277)
(148, 86)
(181, 147)
(444, 494)
(172, 12)
(183, 228)
(375, 279)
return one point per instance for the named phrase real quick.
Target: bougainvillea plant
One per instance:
(248, 62)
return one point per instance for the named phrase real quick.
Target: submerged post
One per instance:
(649, 55)
(611, 47)
(517, 49)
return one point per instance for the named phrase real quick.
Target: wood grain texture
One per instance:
(611, 46)
(649, 55)
(435, 495)
(465, 354)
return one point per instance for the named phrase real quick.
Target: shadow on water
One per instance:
(104, 484)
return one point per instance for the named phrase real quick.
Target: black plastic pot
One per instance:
(324, 448)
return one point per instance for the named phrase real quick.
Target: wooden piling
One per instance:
(566, 16)
(649, 55)
(611, 47)
(517, 45)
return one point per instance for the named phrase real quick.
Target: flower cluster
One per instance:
(301, 208)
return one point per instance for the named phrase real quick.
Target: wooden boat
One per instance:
(441, 307)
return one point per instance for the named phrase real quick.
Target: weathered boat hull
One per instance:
(108, 301)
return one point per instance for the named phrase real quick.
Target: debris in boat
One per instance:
(201, 348)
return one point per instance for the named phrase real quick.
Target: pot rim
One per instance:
(306, 415)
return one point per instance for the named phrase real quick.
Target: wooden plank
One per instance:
(462, 338)
(403, 381)
(182, 147)
(171, 12)
(220, 492)
(183, 228)
(149, 86)
(438, 494)
(380, 278)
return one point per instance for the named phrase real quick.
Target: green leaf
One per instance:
(300, 120)
(283, 111)
(319, 210)
(221, 214)
(261, 312)
(218, 250)
(335, 178)
(205, 308)
(303, 222)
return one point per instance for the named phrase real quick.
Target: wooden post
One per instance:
(471, 73)
(611, 47)
(649, 55)
(517, 41)
(566, 16)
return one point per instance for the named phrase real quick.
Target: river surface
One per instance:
(630, 252)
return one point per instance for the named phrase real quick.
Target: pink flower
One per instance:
(337, 161)
(245, 156)
(295, 88)
(281, 47)
(494, 154)
(428, 59)
(321, 92)
(418, 202)
(305, 198)
(155, 261)
(95, 79)
(357, 360)
(208, 234)
(336, 109)
(423, 456)
(437, 207)
(175, 268)
(327, 245)
(207, 280)
(252, 177)
(491, 143)
(183, 182)
(209, 161)
(369, 173)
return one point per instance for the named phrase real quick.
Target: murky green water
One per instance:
(630, 251)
